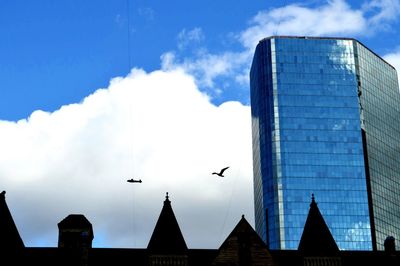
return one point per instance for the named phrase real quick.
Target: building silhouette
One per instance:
(325, 120)
(167, 247)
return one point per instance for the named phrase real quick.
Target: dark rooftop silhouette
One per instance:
(167, 237)
(75, 221)
(75, 229)
(9, 236)
(167, 246)
(243, 247)
(316, 238)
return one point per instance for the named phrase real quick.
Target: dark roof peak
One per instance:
(316, 238)
(167, 201)
(167, 237)
(312, 200)
(243, 246)
(10, 238)
(75, 221)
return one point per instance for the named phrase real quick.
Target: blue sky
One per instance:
(56, 53)
(89, 100)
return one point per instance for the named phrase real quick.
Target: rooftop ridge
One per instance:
(324, 38)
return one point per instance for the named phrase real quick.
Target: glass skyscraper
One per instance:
(325, 121)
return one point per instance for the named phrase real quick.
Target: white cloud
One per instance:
(335, 17)
(332, 18)
(394, 59)
(186, 37)
(207, 67)
(382, 12)
(155, 126)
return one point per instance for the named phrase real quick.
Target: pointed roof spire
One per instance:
(10, 238)
(167, 237)
(167, 198)
(316, 238)
(243, 246)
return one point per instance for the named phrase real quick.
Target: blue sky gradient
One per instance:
(56, 53)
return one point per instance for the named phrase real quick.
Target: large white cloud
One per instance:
(157, 127)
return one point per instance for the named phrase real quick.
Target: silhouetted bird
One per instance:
(134, 181)
(221, 172)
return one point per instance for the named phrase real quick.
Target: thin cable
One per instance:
(229, 207)
(128, 14)
(131, 121)
(133, 220)
(130, 109)
(280, 18)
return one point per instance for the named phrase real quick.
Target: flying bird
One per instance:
(134, 181)
(221, 172)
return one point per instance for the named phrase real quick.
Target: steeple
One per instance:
(167, 237)
(316, 238)
(10, 240)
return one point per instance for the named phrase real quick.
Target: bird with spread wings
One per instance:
(221, 172)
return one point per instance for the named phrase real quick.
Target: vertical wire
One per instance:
(129, 34)
(131, 120)
(280, 18)
(229, 207)
(133, 215)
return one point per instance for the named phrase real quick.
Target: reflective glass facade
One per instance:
(380, 105)
(311, 136)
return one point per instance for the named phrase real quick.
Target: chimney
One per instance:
(75, 235)
(390, 244)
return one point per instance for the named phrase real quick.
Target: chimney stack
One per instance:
(75, 238)
(390, 244)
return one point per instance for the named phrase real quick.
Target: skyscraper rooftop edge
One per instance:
(323, 38)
